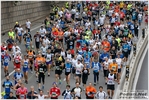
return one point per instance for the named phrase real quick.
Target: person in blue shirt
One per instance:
(103, 56)
(87, 61)
(7, 85)
(7, 58)
(78, 6)
(96, 69)
(68, 67)
(82, 42)
(88, 53)
(17, 75)
(28, 42)
(132, 27)
(125, 48)
(25, 67)
(134, 17)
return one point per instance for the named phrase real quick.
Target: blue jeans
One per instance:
(96, 76)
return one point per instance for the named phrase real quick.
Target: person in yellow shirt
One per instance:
(11, 34)
(121, 5)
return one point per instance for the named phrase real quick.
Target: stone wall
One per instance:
(31, 10)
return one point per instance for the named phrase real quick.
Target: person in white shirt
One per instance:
(79, 66)
(43, 50)
(14, 48)
(42, 31)
(101, 94)
(60, 13)
(41, 96)
(74, 62)
(140, 17)
(111, 78)
(46, 41)
(19, 33)
(110, 60)
(105, 68)
(87, 24)
(119, 62)
(101, 20)
(73, 12)
(28, 25)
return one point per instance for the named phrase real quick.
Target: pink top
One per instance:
(68, 15)
(22, 91)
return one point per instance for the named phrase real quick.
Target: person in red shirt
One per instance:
(22, 91)
(122, 15)
(105, 45)
(72, 50)
(17, 61)
(117, 23)
(54, 91)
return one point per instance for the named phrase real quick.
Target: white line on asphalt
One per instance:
(14, 70)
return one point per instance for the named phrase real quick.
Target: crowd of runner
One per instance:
(79, 38)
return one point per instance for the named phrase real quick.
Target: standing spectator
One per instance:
(28, 25)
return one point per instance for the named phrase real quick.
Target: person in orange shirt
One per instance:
(106, 45)
(54, 28)
(31, 54)
(61, 35)
(38, 61)
(90, 91)
(113, 66)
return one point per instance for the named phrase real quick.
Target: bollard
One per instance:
(127, 73)
(134, 49)
(143, 33)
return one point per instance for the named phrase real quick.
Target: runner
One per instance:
(101, 94)
(37, 38)
(11, 96)
(7, 85)
(49, 59)
(28, 42)
(78, 67)
(31, 56)
(7, 59)
(67, 93)
(19, 33)
(58, 69)
(90, 91)
(22, 92)
(105, 68)
(68, 67)
(41, 96)
(111, 77)
(31, 94)
(28, 25)
(17, 76)
(18, 85)
(119, 61)
(96, 69)
(17, 61)
(74, 61)
(54, 92)
(42, 68)
(25, 67)
(77, 91)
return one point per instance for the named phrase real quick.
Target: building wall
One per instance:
(31, 10)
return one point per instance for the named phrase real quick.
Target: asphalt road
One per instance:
(51, 79)
(143, 77)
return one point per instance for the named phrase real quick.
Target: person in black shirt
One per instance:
(11, 96)
(85, 73)
(70, 42)
(30, 94)
(136, 28)
(113, 52)
(58, 68)
(16, 26)
(42, 68)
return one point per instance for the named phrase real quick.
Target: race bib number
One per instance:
(53, 93)
(6, 60)
(67, 69)
(17, 61)
(22, 96)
